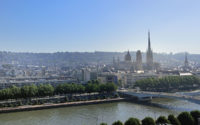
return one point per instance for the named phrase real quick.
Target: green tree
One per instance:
(15, 92)
(119, 83)
(148, 121)
(173, 120)
(162, 120)
(59, 89)
(25, 91)
(111, 87)
(81, 89)
(89, 88)
(103, 124)
(45, 90)
(185, 118)
(33, 91)
(95, 87)
(132, 121)
(195, 114)
(117, 123)
(5, 93)
(102, 88)
(168, 83)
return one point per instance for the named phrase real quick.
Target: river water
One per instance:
(95, 114)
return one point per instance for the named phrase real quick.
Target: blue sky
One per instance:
(99, 25)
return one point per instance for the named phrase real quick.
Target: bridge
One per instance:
(148, 96)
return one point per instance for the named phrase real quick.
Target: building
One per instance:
(7, 82)
(85, 75)
(126, 65)
(108, 78)
(186, 66)
(186, 61)
(127, 57)
(137, 66)
(131, 78)
(93, 75)
(138, 60)
(149, 55)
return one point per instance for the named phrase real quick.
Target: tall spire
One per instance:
(149, 54)
(186, 60)
(149, 42)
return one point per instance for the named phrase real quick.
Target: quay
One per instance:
(49, 106)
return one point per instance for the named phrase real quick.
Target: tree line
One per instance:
(184, 118)
(48, 90)
(169, 83)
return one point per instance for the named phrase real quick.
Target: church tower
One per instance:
(138, 60)
(149, 54)
(127, 57)
(186, 66)
(186, 61)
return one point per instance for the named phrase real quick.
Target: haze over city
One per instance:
(99, 62)
(114, 25)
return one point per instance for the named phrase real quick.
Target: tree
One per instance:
(173, 120)
(132, 121)
(89, 88)
(15, 92)
(5, 93)
(45, 90)
(148, 121)
(168, 83)
(117, 123)
(25, 92)
(111, 87)
(102, 88)
(59, 89)
(95, 87)
(103, 124)
(185, 118)
(195, 114)
(81, 88)
(33, 91)
(162, 120)
(119, 83)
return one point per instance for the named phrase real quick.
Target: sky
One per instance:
(99, 25)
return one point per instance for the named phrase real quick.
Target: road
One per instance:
(144, 94)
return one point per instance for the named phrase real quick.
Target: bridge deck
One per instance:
(142, 94)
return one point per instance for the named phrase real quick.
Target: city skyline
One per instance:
(112, 26)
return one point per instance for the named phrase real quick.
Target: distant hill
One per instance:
(75, 58)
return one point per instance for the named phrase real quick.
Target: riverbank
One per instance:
(48, 106)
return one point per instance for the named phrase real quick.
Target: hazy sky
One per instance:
(99, 25)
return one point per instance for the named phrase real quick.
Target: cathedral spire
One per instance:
(149, 42)
(186, 60)
(149, 54)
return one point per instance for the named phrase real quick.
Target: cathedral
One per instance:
(127, 64)
(149, 55)
(133, 66)
(186, 67)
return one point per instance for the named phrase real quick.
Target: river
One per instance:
(95, 114)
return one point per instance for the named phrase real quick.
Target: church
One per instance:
(128, 64)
